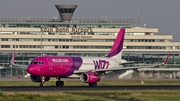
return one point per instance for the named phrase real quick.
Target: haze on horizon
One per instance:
(161, 14)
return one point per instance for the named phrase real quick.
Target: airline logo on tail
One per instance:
(101, 64)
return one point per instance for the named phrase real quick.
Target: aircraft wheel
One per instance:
(92, 84)
(59, 83)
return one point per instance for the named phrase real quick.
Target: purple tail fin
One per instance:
(116, 50)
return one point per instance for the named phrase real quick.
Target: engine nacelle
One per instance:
(89, 77)
(38, 78)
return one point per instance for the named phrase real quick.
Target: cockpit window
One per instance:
(31, 62)
(37, 62)
(41, 62)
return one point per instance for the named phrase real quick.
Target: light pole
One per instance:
(41, 43)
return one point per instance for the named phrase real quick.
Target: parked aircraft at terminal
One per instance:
(87, 69)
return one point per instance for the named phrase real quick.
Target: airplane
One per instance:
(87, 69)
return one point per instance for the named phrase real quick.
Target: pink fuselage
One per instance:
(64, 66)
(54, 66)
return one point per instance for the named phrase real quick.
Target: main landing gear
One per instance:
(59, 82)
(92, 84)
(42, 81)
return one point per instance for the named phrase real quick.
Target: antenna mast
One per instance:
(138, 17)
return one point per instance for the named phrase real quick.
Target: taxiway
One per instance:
(73, 88)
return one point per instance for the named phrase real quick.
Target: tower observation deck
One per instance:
(66, 11)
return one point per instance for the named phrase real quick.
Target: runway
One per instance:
(75, 88)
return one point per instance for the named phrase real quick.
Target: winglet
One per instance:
(165, 62)
(13, 57)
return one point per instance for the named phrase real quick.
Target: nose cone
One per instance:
(32, 70)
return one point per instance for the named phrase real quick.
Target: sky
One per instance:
(161, 14)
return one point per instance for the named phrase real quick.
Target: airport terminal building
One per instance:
(32, 37)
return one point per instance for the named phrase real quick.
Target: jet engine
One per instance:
(38, 78)
(89, 77)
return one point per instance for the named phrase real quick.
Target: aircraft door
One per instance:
(50, 63)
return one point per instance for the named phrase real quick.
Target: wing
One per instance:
(131, 62)
(18, 65)
(122, 68)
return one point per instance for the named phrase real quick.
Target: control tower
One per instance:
(66, 11)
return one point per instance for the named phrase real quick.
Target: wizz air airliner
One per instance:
(87, 69)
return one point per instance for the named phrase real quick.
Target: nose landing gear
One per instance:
(42, 82)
